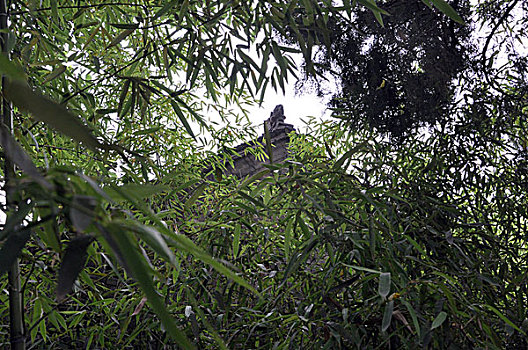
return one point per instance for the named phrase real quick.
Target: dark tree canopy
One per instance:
(412, 71)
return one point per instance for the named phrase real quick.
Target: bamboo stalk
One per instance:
(16, 299)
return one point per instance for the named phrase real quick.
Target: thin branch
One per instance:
(497, 25)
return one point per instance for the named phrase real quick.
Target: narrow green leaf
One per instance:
(11, 69)
(196, 194)
(253, 178)
(72, 264)
(339, 163)
(147, 131)
(121, 36)
(440, 318)
(17, 155)
(11, 248)
(384, 284)
(154, 239)
(138, 268)
(288, 233)
(54, 74)
(303, 226)
(124, 25)
(504, 318)
(183, 243)
(300, 257)
(122, 97)
(15, 218)
(413, 317)
(52, 113)
(165, 8)
(387, 316)
(138, 191)
(82, 211)
(182, 118)
(446, 9)
(371, 5)
(236, 240)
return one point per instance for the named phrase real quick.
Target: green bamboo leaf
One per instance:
(196, 194)
(384, 284)
(446, 9)
(15, 218)
(440, 318)
(301, 256)
(138, 268)
(236, 240)
(51, 113)
(154, 239)
(253, 178)
(17, 155)
(147, 131)
(82, 211)
(387, 316)
(11, 248)
(413, 317)
(371, 5)
(165, 8)
(504, 318)
(121, 36)
(54, 74)
(182, 118)
(11, 69)
(124, 25)
(91, 37)
(138, 191)
(339, 163)
(288, 233)
(72, 264)
(183, 243)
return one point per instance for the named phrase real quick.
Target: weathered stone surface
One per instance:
(246, 163)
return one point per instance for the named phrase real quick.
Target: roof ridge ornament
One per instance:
(276, 119)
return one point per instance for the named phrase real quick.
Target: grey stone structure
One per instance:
(246, 164)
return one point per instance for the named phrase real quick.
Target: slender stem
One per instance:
(16, 299)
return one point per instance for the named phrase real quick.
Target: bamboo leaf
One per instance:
(138, 269)
(182, 118)
(154, 239)
(121, 36)
(236, 240)
(196, 194)
(72, 264)
(371, 5)
(446, 9)
(183, 243)
(413, 317)
(82, 211)
(11, 248)
(384, 284)
(11, 69)
(502, 317)
(54, 74)
(165, 8)
(387, 316)
(13, 151)
(440, 318)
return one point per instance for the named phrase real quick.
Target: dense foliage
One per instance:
(354, 242)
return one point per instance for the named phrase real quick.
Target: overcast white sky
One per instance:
(295, 107)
